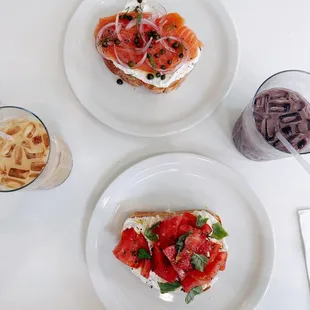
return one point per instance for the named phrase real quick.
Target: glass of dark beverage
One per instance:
(281, 104)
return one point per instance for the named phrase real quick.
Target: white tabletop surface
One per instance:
(42, 234)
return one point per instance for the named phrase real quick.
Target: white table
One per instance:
(42, 234)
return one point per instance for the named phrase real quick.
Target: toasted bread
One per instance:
(168, 214)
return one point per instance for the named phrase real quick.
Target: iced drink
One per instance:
(23, 157)
(275, 109)
(30, 156)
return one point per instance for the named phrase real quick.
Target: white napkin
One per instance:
(304, 218)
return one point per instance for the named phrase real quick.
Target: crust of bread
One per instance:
(137, 83)
(167, 214)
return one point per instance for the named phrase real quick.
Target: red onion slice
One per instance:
(141, 62)
(165, 44)
(144, 21)
(118, 59)
(99, 47)
(99, 35)
(145, 48)
(118, 27)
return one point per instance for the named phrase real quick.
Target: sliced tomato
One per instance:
(146, 266)
(168, 231)
(180, 266)
(189, 219)
(185, 229)
(161, 265)
(127, 249)
(215, 248)
(205, 248)
(195, 240)
(196, 278)
(206, 229)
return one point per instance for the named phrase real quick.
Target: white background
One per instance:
(42, 234)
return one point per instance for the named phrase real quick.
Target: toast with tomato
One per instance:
(147, 47)
(174, 251)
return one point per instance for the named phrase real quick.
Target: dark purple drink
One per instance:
(274, 110)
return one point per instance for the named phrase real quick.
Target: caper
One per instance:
(175, 44)
(181, 55)
(117, 41)
(131, 64)
(169, 62)
(162, 51)
(163, 77)
(150, 76)
(163, 67)
(158, 74)
(157, 55)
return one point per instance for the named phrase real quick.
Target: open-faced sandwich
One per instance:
(174, 251)
(144, 45)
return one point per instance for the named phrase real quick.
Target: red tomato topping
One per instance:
(146, 266)
(127, 249)
(161, 265)
(196, 278)
(168, 231)
(206, 229)
(189, 219)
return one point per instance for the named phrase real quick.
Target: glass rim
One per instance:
(258, 92)
(50, 146)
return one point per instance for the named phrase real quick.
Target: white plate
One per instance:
(178, 182)
(136, 111)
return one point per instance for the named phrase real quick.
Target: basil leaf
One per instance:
(143, 254)
(218, 232)
(152, 61)
(148, 233)
(201, 221)
(168, 287)
(180, 243)
(191, 295)
(199, 261)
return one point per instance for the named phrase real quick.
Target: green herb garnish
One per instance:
(201, 221)
(199, 261)
(168, 287)
(148, 233)
(180, 243)
(191, 295)
(152, 61)
(143, 254)
(139, 19)
(218, 232)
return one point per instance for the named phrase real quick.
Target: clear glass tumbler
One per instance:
(281, 104)
(31, 155)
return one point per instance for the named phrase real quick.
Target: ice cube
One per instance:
(290, 118)
(37, 166)
(3, 170)
(18, 155)
(12, 183)
(30, 130)
(37, 140)
(270, 130)
(8, 150)
(279, 106)
(33, 154)
(27, 144)
(18, 173)
(46, 140)
(299, 105)
(12, 131)
(34, 175)
(279, 94)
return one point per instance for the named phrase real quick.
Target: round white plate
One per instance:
(136, 111)
(180, 182)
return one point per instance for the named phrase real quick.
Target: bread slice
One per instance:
(137, 83)
(169, 214)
